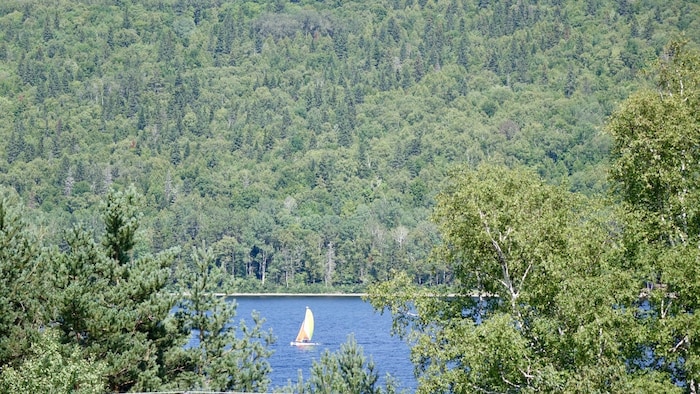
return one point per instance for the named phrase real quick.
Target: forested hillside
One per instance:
(305, 141)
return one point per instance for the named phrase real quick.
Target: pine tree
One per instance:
(112, 302)
(19, 282)
(346, 371)
(570, 86)
(222, 360)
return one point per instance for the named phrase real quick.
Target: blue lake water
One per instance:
(335, 318)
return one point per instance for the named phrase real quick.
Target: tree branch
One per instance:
(501, 257)
(679, 344)
(503, 378)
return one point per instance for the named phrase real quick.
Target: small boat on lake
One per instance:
(306, 331)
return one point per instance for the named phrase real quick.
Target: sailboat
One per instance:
(306, 331)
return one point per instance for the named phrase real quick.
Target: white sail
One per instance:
(306, 331)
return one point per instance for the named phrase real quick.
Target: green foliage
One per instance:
(222, 360)
(21, 286)
(307, 140)
(112, 303)
(558, 292)
(543, 299)
(355, 110)
(656, 172)
(656, 137)
(99, 317)
(50, 368)
(346, 371)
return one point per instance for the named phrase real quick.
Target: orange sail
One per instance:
(307, 327)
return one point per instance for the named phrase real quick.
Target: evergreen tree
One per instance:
(570, 85)
(21, 291)
(221, 360)
(112, 302)
(346, 371)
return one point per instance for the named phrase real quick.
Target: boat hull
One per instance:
(295, 343)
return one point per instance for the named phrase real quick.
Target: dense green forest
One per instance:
(305, 141)
(160, 151)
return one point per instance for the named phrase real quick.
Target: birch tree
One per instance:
(656, 173)
(542, 302)
(330, 265)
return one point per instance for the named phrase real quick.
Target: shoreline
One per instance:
(290, 294)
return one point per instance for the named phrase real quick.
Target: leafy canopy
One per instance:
(542, 301)
(655, 168)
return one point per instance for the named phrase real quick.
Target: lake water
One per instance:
(335, 318)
